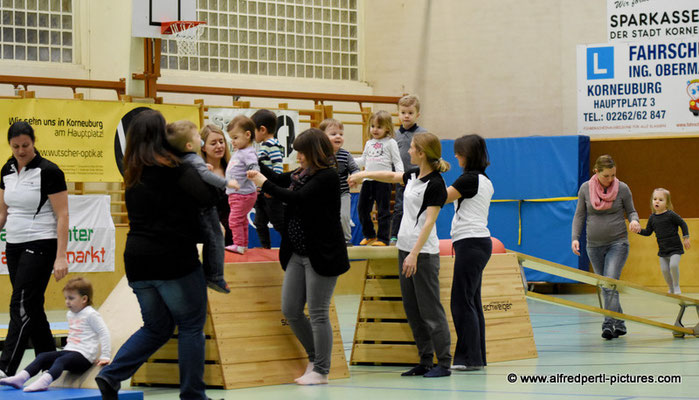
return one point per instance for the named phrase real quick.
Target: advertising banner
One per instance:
(638, 87)
(648, 20)
(84, 138)
(287, 126)
(91, 235)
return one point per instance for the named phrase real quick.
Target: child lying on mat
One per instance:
(87, 334)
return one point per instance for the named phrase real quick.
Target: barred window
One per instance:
(37, 30)
(292, 38)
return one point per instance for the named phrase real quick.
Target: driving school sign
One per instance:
(91, 235)
(644, 20)
(638, 87)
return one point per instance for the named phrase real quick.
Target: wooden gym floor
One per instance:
(568, 342)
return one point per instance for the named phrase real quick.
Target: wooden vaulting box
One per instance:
(249, 343)
(383, 335)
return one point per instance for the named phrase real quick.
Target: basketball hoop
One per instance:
(186, 34)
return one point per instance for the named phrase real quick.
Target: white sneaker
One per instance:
(458, 367)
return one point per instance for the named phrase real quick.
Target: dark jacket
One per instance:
(163, 211)
(317, 205)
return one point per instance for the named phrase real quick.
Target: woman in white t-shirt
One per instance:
(34, 211)
(470, 236)
(418, 251)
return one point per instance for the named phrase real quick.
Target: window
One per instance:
(37, 30)
(301, 38)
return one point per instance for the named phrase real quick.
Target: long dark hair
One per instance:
(472, 147)
(146, 145)
(316, 147)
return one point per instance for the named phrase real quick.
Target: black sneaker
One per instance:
(619, 332)
(416, 371)
(220, 286)
(106, 389)
(608, 334)
(437, 372)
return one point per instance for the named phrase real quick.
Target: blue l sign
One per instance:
(600, 62)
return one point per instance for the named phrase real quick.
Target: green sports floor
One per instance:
(569, 346)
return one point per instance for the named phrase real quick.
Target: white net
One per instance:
(187, 39)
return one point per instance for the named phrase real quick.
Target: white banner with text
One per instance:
(638, 87)
(647, 20)
(91, 235)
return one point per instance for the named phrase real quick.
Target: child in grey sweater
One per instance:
(184, 137)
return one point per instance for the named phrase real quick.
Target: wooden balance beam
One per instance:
(625, 287)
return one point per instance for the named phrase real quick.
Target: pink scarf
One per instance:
(599, 199)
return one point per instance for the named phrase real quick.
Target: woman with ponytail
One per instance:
(602, 203)
(418, 251)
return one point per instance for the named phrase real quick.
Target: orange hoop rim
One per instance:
(167, 27)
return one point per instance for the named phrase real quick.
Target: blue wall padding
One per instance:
(531, 168)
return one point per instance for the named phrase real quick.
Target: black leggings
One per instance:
(379, 192)
(472, 255)
(55, 362)
(30, 265)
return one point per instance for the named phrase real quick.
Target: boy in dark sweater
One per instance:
(270, 153)
(408, 112)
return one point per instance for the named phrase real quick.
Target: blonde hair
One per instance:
(328, 122)
(244, 123)
(383, 120)
(205, 132)
(668, 199)
(429, 144)
(410, 100)
(80, 285)
(604, 162)
(179, 133)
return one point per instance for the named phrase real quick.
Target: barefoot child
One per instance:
(664, 222)
(88, 338)
(184, 137)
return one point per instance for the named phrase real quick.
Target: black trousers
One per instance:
(471, 256)
(224, 210)
(268, 209)
(55, 362)
(30, 265)
(397, 210)
(379, 192)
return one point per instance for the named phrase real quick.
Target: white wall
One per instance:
(497, 68)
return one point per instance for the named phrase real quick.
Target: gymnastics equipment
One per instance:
(248, 341)
(623, 287)
(383, 336)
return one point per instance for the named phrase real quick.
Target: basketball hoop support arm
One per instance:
(151, 67)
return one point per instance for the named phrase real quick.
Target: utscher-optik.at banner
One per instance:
(638, 87)
(84, 138)
(648, 20)
(91, 236)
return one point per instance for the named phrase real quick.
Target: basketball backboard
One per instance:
(148, 15)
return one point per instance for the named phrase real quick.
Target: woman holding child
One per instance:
(163, 197)
(312, 250)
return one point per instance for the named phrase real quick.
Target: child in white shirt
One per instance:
(380, 154)
(88, 342)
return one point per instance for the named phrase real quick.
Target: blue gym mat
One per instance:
(9, 393)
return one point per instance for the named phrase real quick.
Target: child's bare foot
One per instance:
(313, 378)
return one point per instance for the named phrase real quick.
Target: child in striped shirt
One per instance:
(271, 154)
(345, 167)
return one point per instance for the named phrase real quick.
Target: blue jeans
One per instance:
(608, 261)
(164, 305)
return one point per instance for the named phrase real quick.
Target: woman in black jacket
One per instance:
(312, 250)
(163, 197)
